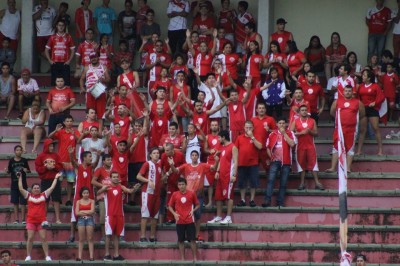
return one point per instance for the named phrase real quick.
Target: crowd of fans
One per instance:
(213, 112)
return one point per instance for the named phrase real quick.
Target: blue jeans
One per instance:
(376, 44)
(276, 167)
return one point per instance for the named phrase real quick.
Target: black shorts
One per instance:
(16, 197)
(56, 194)
(133, 171)
(371, 112)
(186, 232)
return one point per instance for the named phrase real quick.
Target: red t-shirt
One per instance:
(194, 175)
(84, 50)
(378, 20)
(203, 63)
(213, 143)
(336, 53)
(226, 20)
(176, 141)
(113, 201)
(183, 204)
(259, 131)
(88, 125)
(60, 97)
(105, 53)
(281, 38)
(159, 127)
(175, 93)
(369, 94)
(237, 115)
(204, 24)
(241, 22)
(294, 61)
(311, 94)
(179, 159)
(139, 153)
(84, 179)
(154, 73)
(294, 109)
(202, 120)
(226, 161)
(65, 140)
(162, 83)
(114, 139)
(230, 63)
(176, 68)
(389, 83)
(253, 66)
(248, 153)
(278, 57)
(120, 163)
(36, 208)
(61, 47)
(304, 141)
(125, 123)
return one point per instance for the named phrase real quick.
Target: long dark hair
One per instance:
(276, 43)
(249, 52)
(292, 47)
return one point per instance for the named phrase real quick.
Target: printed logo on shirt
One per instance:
(85, 174)
(223, 153)
(200, 120)
(183, 199)
(346, 104)
(71, 137)
(160, 123)
(310, 91)
(214, 142)
(121, 159)
(121, 123)
(280, 39)
(115, 192)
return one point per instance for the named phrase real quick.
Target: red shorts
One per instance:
(209, 180)
(98, 104)
(150, 205)
(34, 226)
(349, 141)
(114, 225)
(306, 160)
(13, 43)
(224, 189)
(41, 42)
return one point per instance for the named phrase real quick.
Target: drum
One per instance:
(97, 90)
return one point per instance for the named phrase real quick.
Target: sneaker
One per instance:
(153, 240)
(226, 220)
(71, 239)
(45, 224)
(215, 220)
(253, 204)
(143, 240)
(242, 203)
(122, 239)
(119, 258)
(28, 258)
(301, 187)
(68, 203)
(266, 204)
(23, 222)
(107, 258)
(169, 222)
(48, 258)
(199, 239)
(16, 222)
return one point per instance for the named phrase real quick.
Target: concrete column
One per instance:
(28, 56)
(265, 23)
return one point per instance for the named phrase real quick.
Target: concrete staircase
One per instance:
(303, 233)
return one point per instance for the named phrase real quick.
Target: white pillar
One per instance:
(28, 56)
(265, 21)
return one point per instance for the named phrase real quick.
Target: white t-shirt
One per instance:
(89, 145)
(396, 26)
(44, 25)
(29, 87)
(178, 22)
(203, 87)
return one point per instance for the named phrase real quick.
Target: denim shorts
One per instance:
(85, 221)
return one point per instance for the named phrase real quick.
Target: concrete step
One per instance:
(301, 252)
(233, 233)
(246, 215)
(304, 198)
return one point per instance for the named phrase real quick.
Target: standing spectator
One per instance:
(149, 27)
(62, 50)
(204, 24)
(113, 194)
(122, 54)
(6, 258)
(195, 7)
(28, 90)
(275, 58)
(335, 53)
(295, 62)
(248, 147)
(127, 25)
(315, 54)
(226, 178)
(155, 62)
(37, 214)
(378, 20)
(243, 18)
(106, 51)
(59, 101)
(177, 12)
(150, 174)
(281, 36)
(356, 68)
(252, 35)
(10, 26)
(43, 15)
(279, 148)
(390, 80)
(344, 79)
(273, 93)
(63, 16)
(93, 144)
(83, 20)
(83, 52)
(314, 94)
(8, 88)
(104, 18)
(183, 205)
(226, 20)
(18, 167)
(396, 30)
(33, 121)
(305, 129)
(294, 104)
(85, 211)
(47, 165)
(253, 62)
(7, 54)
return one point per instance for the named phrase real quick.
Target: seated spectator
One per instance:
(356, 68)
(275, 58)
(301, 79)
(62, 15)
(126, 24)
(226, 20)
(281, 36)
(7, 54)
(28, 90)
(33, 119)
(204, 24)
(8, 88)
(242, 19)
(150, 27)
(252, 35)
(373, 63)
(335, 53)
(315, 54)
(10, 26)
(220, 41)
(6, 258)
(83, 20)
(105, 17)
(123, 53)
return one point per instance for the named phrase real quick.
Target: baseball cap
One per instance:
(281, 21)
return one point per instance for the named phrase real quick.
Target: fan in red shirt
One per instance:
(294, 104)
(113, 137)
(220, 41)
(106, 52)
(295, 60)
(191, 45)
(281, 36)
(335, 53)
(84, 50)
(172, 137)
(150, 175)
(177, 66)
(122, 117)
(67, 137)
(253, 62)
(371, 95)
(120, 98)
(390, 80)
(183, 205)
(305, 129)
(263, 125)
(343, 80)
(204, 24)
(62, 52)
(204, 59)
(178, 159)
(120, 161)
(180, 89)
(226, 20)
(36, 217)
(275, 58)
(252, 35)
(242, 19)
(163, 81)
(90, 122)
(314, 95)
(6, 258)
(230, 61)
